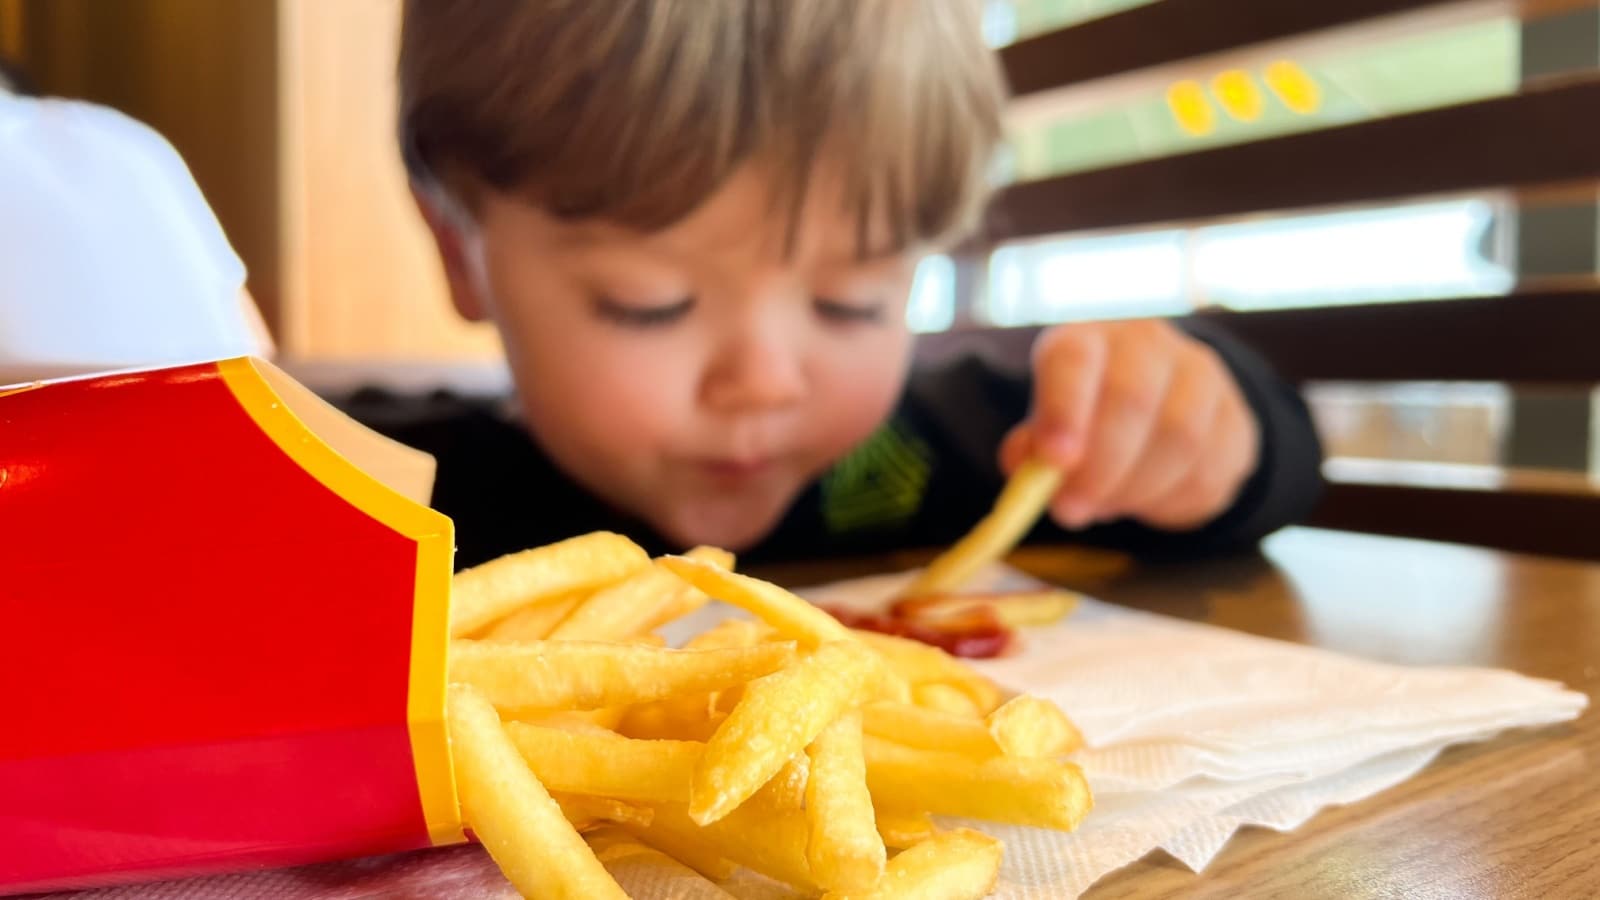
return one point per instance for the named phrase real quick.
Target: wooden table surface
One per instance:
(1514, 817)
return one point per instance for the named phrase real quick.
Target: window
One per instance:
(1415, 251)
(1008, 21)
(932, 306)
(1253, 95)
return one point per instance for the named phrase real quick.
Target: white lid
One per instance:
(110, 258)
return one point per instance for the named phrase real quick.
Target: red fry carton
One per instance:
(223, 627)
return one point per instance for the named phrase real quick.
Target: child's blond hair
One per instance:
(635, 111)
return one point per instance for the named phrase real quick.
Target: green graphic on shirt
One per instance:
(879, 485)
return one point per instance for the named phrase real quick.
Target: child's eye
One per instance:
(837, 311)
(631, 316)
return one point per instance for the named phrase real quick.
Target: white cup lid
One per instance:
(110, 258)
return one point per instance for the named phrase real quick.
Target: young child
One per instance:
(694, 225)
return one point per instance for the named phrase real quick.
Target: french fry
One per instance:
(611, 843)
(791, 745)
(1045, 793)
(768, 841)
(947, 699)
(586, 721)
(680, 603)
(716, 556)
(588, 813)
(607, 765)
(581, 721)
(480, 595)
(727, 633)
(618, 610)
(790, 615)
(901, 830)
(1032, 727)
(845, 850)
(1012, 609)
(535, 621)
(681, 839)
(669, 719)
(731, 633)
(777, 717)
(508, 809)
(953, 865)
(554, 675)
(918, 663)
(930, 729)
(1026, 494)
(639, 867)
(786, 791)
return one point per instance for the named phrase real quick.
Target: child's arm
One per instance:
(961, 412)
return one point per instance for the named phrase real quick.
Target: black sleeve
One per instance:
(964, 408)
(500, 490)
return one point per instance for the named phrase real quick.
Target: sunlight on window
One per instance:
(933, 296)
(1391, 254)
(1119, 276)
(1009, 21)
(1407, 253)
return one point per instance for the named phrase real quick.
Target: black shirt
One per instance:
(922, 480)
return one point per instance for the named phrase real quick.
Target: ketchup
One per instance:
(974, 634)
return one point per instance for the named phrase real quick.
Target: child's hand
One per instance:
(1147, 423)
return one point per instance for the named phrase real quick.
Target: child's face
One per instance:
(698, 377)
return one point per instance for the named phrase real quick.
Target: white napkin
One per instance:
(1194, 731)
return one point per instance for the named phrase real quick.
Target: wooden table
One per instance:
(1518, 816)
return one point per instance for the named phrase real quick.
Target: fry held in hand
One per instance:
(1025, 497)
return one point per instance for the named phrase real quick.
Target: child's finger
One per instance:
(1133, 393)
(1185, 427)
(1016, 448)
(1068, 367)
(1214, 482)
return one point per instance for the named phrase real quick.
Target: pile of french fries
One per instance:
(788, 744)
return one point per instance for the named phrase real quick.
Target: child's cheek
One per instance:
(860, 391)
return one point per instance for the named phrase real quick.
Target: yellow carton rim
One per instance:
(434, 535)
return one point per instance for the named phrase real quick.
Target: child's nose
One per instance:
(755, 374)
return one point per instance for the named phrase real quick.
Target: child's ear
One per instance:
(464, 287)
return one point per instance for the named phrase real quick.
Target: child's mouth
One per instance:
(735, 469)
